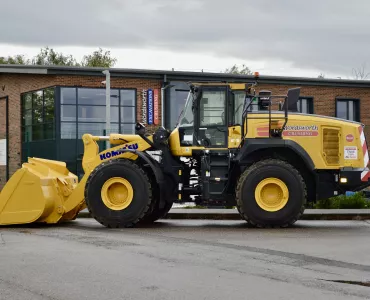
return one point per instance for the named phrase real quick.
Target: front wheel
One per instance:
(271, 193)
(157, 213)
(118, 193)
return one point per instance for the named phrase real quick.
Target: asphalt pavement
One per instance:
(186, 259)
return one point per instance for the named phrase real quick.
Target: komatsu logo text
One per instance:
(118, 152)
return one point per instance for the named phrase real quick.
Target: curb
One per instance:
(232, 214)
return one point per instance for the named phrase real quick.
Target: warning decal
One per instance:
(350, 152)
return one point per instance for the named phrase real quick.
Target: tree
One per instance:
(48, 57)
(99, 59)
(360, 73)
(14, 60)
(321, 76)
(244, 70)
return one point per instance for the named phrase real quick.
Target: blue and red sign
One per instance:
(156, 107)
(150, 107)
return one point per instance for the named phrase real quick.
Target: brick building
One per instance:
(45, 110)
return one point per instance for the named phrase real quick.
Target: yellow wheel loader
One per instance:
(231, 147)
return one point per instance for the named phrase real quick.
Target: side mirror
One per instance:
(264, 100)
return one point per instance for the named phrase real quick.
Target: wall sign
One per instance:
(156, 107)
(150, 106)
(144, 105)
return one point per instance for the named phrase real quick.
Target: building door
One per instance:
(4, 136)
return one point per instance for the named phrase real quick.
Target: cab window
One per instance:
(212, 108)
(212, 118)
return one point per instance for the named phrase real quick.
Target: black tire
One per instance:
(142, 193)
(156, 213)
(245, 194)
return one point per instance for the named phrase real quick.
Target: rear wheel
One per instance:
(271, 193)
(118, 193)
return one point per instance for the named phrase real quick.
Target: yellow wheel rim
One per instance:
(117, 193)
(271, 194)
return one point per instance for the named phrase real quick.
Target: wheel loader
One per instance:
(232, 146)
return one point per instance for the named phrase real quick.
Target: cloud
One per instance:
(327, 35)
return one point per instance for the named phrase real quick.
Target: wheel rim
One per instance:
(271, 194)
(117, 193)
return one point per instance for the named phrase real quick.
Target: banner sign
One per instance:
(150, 106)
(143, 108)
(156, 107)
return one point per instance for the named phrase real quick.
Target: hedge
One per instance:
(354, 201)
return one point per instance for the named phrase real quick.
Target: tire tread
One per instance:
(247, 172)
(102, 220)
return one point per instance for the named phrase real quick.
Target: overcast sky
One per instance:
(285, 37)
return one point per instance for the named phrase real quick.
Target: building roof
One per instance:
(168, 75)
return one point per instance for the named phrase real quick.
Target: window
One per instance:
(83, 110)
(127, 128)
(212, 108)
(305, 105)
(187, 116)
(212, 130)
(128, 111)
(68, 96)
(87, 96)
(239, 99)
(38, 115)
(96, 114)
(177, 106)
(68, 113)
(348, 109)
(94, 128)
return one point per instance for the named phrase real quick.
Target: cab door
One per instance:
(211, 128)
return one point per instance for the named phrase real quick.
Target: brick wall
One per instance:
(16, 84)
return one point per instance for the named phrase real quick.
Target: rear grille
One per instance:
(331, 146)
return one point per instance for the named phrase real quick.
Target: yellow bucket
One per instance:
(37, 193)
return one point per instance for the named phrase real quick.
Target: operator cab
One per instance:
(209, 112)
(214, 115)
